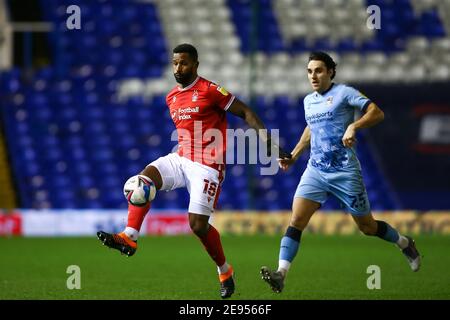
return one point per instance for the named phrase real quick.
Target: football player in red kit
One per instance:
(198, 109)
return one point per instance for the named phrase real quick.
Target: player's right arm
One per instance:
(302, 145)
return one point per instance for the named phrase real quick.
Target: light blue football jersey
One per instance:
(328, 116)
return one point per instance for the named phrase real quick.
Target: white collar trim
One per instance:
(189, 86)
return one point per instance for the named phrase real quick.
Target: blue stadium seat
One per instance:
(74, 119)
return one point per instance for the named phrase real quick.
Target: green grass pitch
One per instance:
(178, 268)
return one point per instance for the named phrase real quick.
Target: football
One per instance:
(139, 190)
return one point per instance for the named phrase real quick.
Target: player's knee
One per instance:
(153, 173)
(298, 222)
(139, 190)
(198, 227)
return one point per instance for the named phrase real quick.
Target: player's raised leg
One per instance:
(210, 238)
(139, 196)
(302, 210)
(136, 214)
(371, 227)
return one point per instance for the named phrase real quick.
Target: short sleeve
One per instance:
(305, 101)
(356, 99)
(167, 100)
(220, 96)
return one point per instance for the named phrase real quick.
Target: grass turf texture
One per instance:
(178, 268)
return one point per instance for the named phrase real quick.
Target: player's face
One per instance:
(319, 75)
(184, 68)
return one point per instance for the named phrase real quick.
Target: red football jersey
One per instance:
(198, 112)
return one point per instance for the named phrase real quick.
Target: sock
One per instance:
(212, 244)
(386, 232)
(223, 268)
(136, 217)
(132, 233)
(289, 247)
(402, 242)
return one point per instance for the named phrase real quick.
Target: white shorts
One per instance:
(203, 183)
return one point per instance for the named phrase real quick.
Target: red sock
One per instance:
(136, 215)
(212, 244)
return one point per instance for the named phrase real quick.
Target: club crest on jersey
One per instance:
(174, 99)
(329, 101)
(195, 96)
(222, 90)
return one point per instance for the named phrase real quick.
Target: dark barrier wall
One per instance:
(413, 142)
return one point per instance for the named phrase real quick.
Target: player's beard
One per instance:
(183, 79)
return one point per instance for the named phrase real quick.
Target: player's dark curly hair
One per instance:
(186, 48)
(325, 57)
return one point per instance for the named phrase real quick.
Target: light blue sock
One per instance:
(288, 249)
(290, 244)
(386, 232)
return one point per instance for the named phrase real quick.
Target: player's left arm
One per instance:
(371, 117)
(241, 110)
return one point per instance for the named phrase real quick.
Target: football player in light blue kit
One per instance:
(333, 167)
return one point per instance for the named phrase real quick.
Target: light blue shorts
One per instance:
(348, 187)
